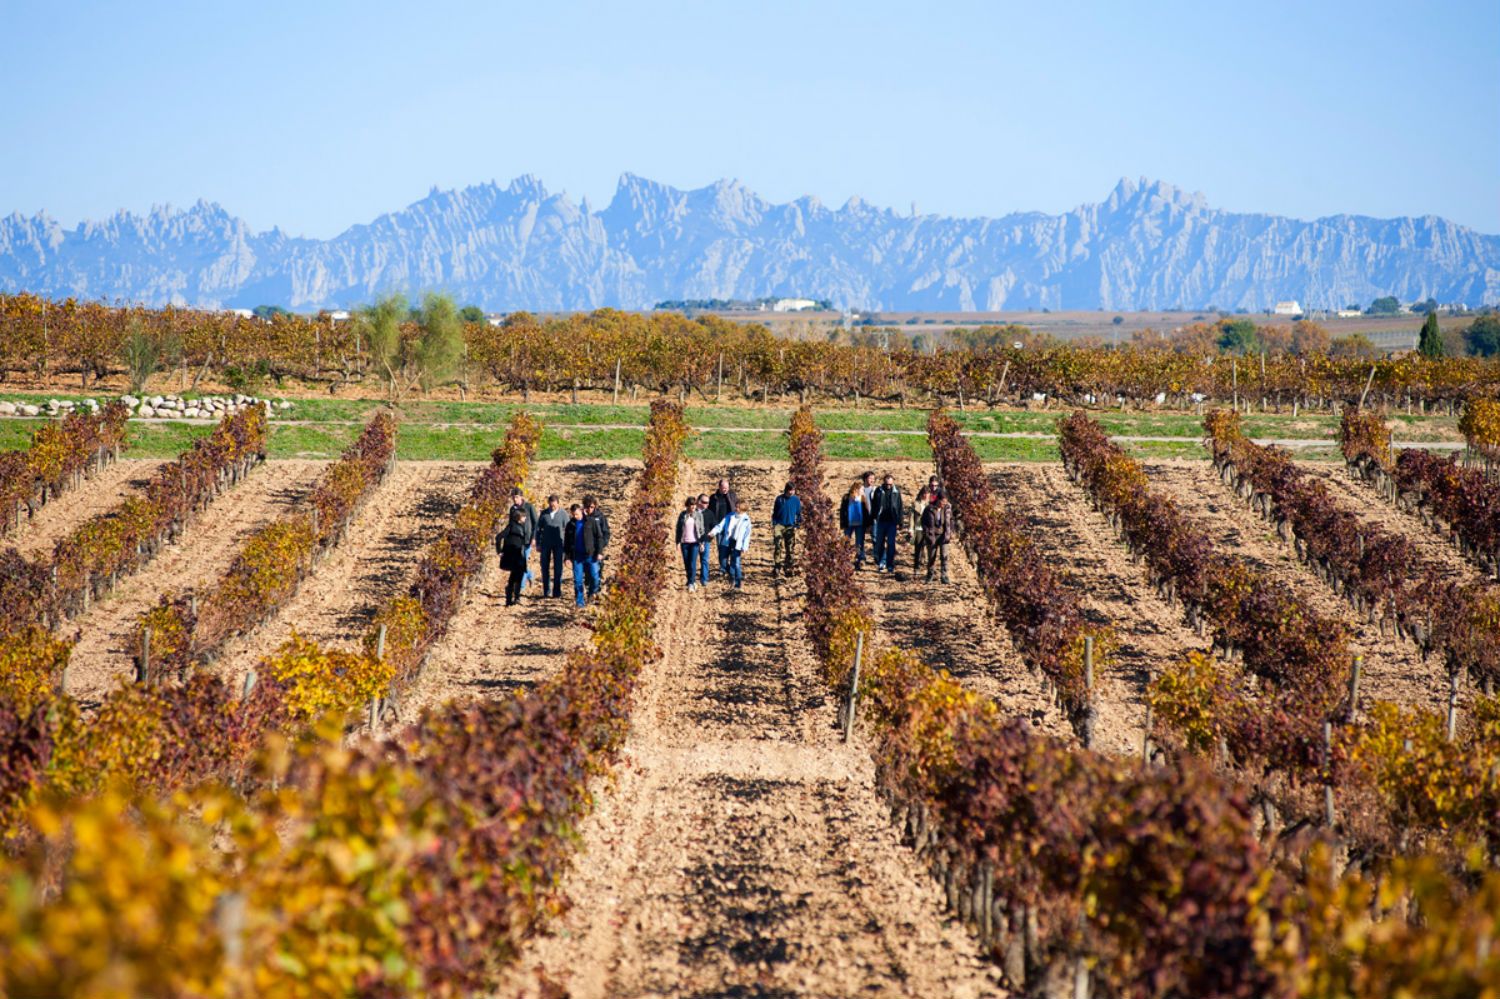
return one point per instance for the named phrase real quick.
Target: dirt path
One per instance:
(950, 626)
(334, 605)
(103, 492)
(1363, 500)
(490, 649)
(1077, 544)
(1393, 670)
(744, 851)
(199, 557)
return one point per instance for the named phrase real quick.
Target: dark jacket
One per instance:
(697, 516)
(529, 522)
(710, 519)
(886, 505)
(511, 543)
(719, 504)
(787, 511)
(593, 539)
(844, 506)
(937, 524)
(550, 525)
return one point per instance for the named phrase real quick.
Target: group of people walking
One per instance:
(714, 524)
(577, 535)
(879, 512)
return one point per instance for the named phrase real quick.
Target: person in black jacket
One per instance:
(595, 515)
(585, 546)
(519, 501)
(690, 536)
(511, 544)
(886, 510)
(550, 526)
(709, 522)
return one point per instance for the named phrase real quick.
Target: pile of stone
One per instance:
(158, 407)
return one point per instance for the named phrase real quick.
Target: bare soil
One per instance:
(745, 851)
(492, 650)
(1077, 543)
(208, 544)
(73, 507)
(1393, 667)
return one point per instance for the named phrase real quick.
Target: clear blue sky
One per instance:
(316, 116)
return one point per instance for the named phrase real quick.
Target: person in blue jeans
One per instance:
(690, 539)
(886, 510)
(733, 533)
(854, 516)
(550, 526)
(584, 544)
(704, 572)
(519, 501)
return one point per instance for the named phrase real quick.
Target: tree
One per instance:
(471, 314)
(380, 324)
(441, 346)
(1238, 336)
(1430, 342)
(268, 312)
(142, 355)
(1429, 307)
(405, 358)
(1387, 306)
(1353, 345)
(1309, 338)
(1482, 336)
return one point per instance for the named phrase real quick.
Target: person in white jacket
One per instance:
(733, 533)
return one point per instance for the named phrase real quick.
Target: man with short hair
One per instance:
(886, 510)
(550, 526)
(721, 503)
(937, 530)
(786, 517)
(595, 516)
(585, 542)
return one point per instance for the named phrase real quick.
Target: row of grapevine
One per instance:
(664, 351)
(1151, 881)
(413, 866)
(183, 629)
(1380, 573)
(405, 628)
(1304, 656)
(94, 555)
(1040, 611)
(61, 454)
(1457, 502)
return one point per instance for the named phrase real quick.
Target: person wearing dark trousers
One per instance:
(511, 543)
(709, 520)
(937, 531)
(722, 502)
(690, 537)
(550, 525)
(786, 517)
(854, 517)
(519, 501)
(584, 540)
(886, 510)
(918, 507)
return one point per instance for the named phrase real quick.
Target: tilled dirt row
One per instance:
(1362, 499)
(74, 507)
(950, 625)
(492, 650)
(335, 604)
(1077, 543)
(1393, 667)
(745, 851)
(207, 545)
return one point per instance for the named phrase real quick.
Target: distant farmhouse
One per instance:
(1292, 308)
(793, 304)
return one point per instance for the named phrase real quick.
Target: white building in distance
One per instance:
(1292, 308)
(793, 304)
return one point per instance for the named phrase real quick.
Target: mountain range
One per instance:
(1147, 246)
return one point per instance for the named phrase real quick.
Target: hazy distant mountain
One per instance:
(1147, 246)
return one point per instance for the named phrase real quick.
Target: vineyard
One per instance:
(1175, 728)
(611, 353)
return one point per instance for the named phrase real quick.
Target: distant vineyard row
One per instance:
(668, 352)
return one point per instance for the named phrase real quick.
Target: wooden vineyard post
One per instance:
(1359, 662)
(143, 675)
(1327, 774)
(1088, 686)
(719, 386)
(859, 652)
(1146, 737)
(1234, 370)
(249, 685)
(617, 381)
(379, 657)
(1452, 705)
